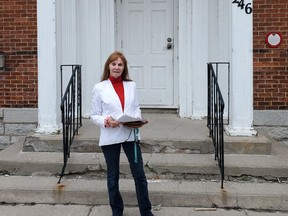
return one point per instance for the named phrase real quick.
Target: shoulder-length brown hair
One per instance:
(113, 57)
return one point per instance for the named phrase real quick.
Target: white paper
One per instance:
(126, 118)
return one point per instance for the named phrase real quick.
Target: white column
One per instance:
(200, 53)
(66, 29)
(193, 58)
(241, 109)
(185, 57)
(108, 29)
(48, 94)
(224, 31)
(223, 48)
(66, 33)
(213, 31)
(88, 49)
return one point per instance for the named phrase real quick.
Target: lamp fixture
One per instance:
(2, 60)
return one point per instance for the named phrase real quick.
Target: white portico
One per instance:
(85, 32)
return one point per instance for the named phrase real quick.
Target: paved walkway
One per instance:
(84, 210)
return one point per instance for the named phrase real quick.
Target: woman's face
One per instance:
(116, 68)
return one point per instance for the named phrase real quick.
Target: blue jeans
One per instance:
(112, 157)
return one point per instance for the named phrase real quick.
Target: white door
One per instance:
(145, 34)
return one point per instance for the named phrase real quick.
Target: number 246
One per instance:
(242, 5)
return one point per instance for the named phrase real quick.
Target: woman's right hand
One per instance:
(110, 122)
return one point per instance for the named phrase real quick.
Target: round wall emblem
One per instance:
(273, 39)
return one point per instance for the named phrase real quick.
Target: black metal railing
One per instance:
(215, 114)
(71, 109)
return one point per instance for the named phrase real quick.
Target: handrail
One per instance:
(215, 114)
(216, 71)
(71, 111)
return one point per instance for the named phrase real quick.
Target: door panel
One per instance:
(143, 29)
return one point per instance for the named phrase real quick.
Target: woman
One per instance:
(111, 98)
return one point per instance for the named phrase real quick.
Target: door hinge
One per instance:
(121, 44)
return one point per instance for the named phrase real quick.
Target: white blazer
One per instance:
(105, 103)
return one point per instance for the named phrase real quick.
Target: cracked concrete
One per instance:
(167, 193)
(95, 210)
(90, 211)
(165, 133)
(16, 162)
(174, 179)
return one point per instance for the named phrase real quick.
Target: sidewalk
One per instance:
(83, 210)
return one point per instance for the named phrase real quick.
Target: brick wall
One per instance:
(18, 40)
(270, 64)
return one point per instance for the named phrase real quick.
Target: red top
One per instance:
(119, 88)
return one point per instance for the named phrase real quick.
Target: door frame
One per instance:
(175, 67)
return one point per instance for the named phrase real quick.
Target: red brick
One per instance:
(19, 33)
(275, 14)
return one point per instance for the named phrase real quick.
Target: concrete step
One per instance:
(165, 133)
(175, 180)
(14, 161)
(52, 143)
(168, 193)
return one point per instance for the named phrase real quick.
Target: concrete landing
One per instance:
(165, 133)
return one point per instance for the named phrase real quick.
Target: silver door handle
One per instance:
(169, 43)
(169, 46)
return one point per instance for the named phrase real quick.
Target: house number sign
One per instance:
(247, 7)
